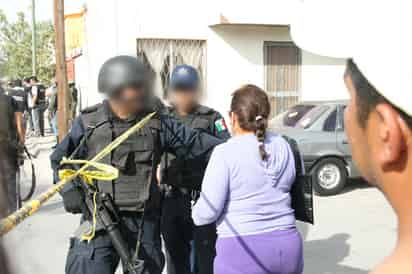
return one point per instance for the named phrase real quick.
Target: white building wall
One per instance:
(235, 58)
(110, 29)
(234, 51)
(322, 78)
(82, 80)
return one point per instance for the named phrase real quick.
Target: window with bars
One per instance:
(282, 74)
(163, 55)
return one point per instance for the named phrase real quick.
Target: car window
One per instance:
(299, 116)
(341, 118)
(330, 122)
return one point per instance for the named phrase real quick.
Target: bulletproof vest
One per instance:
(18, 94)
(41, 95)
(136, 158)
(178, 172)
(8, 131)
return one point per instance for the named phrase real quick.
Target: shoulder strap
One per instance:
(154, 123)
(296, 154)
(92, 116)
(301, 191)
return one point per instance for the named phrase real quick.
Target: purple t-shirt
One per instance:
(242, 193)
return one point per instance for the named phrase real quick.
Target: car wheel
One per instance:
(329, 176)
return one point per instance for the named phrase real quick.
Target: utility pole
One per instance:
(33, 36)
(61, 71)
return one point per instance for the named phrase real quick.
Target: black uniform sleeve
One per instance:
(184, 142)
(219, 127)
(14, 105)
(67, 146)
(18, 104)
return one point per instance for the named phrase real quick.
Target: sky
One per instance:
(44, 8)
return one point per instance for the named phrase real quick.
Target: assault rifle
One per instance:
(100, 208)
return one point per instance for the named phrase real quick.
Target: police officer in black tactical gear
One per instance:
(11, 138)
(135, 192)
(181, 181)
(19, 95)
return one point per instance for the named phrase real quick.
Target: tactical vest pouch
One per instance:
(134, 161)
(200, 123)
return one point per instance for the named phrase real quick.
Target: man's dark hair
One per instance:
(34, 78)
(26, 79)
(17, 83)
(367, 97)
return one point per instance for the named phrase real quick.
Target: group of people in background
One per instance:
(34, 99)
(23, 106)
(30, 95)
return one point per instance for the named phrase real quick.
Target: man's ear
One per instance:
(391, 138)
(232, 118)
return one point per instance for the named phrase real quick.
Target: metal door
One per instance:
(282, 74)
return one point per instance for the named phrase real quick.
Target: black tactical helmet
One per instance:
(121, 72)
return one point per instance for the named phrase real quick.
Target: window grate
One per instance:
(282, 74)
(163, 55)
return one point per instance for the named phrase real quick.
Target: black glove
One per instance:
(73, 198)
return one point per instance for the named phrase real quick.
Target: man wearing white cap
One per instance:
(375, 37)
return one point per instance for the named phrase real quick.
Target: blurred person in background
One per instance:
(51, 94)
(20, 97)
(246, 191)
(28, 117)
(4, 266)
(11, 139)
(38, 103)
(74, 99)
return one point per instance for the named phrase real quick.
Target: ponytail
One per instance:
(260, 133)
(252, 107)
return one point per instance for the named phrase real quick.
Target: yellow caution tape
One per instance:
(11, 221)
(102, 172)
(90, 235)
(35, 206)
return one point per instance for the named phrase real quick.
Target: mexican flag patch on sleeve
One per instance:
(220, 125)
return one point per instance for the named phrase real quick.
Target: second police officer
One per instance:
(182, 180)
(136, 195)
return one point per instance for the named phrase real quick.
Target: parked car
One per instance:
(318, 127)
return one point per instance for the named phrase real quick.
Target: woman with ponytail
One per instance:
(246, 191)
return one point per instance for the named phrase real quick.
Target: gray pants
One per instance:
(38, 120)
(28, 119)
(100, 257)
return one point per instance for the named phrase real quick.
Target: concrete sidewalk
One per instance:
(40, 243)
(353, 231)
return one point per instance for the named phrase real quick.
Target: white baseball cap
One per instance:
(377, 34)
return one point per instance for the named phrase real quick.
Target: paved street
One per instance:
(353, 231)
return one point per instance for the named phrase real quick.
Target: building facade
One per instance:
(230, 43)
